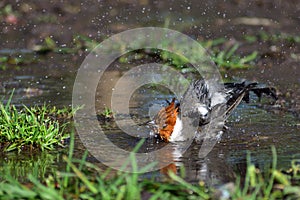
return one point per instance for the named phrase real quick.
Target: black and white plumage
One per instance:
(204, 105)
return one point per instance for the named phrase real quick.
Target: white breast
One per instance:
(177, 132)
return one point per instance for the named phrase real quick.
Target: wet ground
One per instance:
(252, 127)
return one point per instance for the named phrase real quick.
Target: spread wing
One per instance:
(236, 92)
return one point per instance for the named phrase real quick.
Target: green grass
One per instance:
(269, 37)
(80, 43)
(16, 60)
(37, 163)
(275, 184)
(84, 180)
(30, 128)
(107, 113)
(228, 58)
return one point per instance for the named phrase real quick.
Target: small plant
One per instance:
(229, 60)
(268, 37)
(16, 59)
(107, 113)
(47, 46)
(80, 42)
(29, 128)
(83, 42)
(275, 184)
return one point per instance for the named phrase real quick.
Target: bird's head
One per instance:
(201, 114)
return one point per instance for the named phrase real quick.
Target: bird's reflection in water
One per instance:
(212, 169)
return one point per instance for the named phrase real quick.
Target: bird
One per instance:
(167, 123)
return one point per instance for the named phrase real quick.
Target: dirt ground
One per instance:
(26, 24)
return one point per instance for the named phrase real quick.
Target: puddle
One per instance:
(49, 79)
(251, 128)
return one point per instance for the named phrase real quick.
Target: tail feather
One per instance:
(236, 92)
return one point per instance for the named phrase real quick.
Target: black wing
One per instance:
(236, 92)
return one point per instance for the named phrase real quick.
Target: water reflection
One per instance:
(38, 164)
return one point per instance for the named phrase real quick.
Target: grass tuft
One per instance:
(32, 128)
(274, 184)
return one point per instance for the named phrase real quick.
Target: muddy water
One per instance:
(48, 80)
(251, 127)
